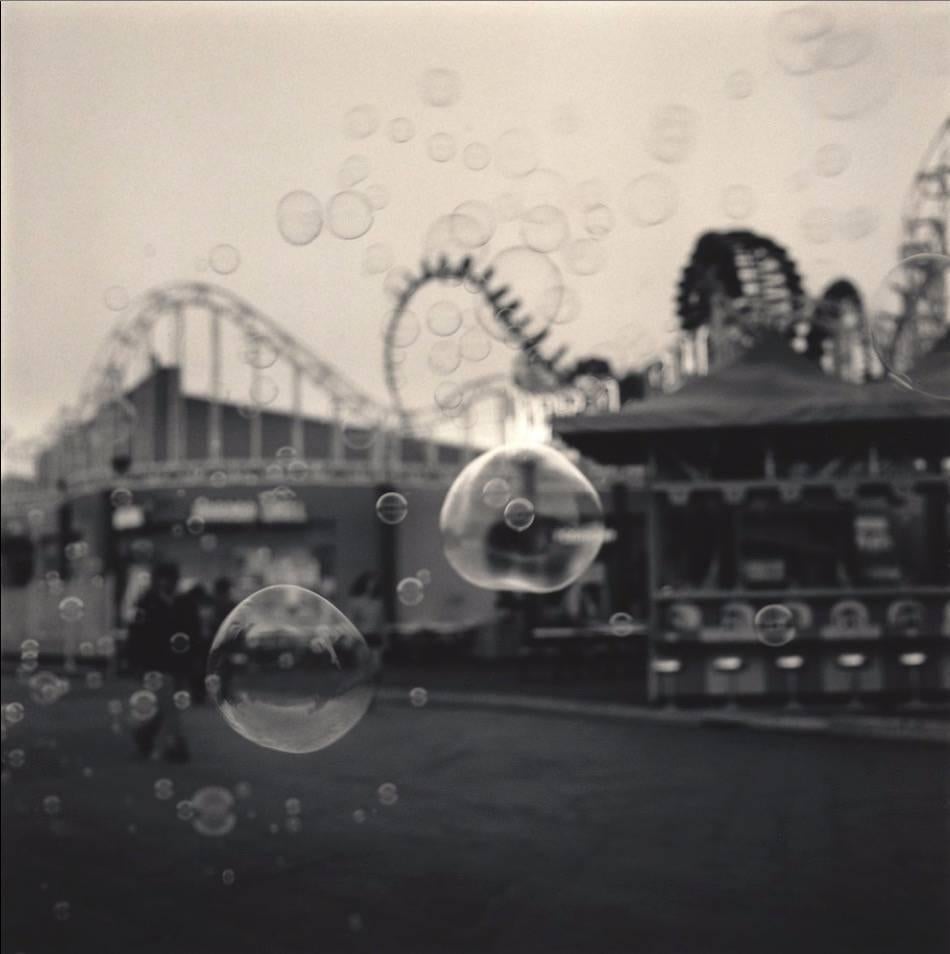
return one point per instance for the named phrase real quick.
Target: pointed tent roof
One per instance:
(769, 386)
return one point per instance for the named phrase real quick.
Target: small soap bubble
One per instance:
(441, 87)
(292, 806)
(71, 609)
(293, 825)
(164, 789)
(672, 134)
(401, 129)
(775, 625)
(185, 810)
(392, 508)
(182, 699)
(94, 680)
(360, 427)
(153, 680)
(47, 688)
(519, 514)
(227, 876)
(349, 215)
(441, 147)
(180, 643)
(52, 805)
(361, 121)
(13, 712)
(264, 391)
(599, 221)
(143, 705)
(832, 160)
(424, 577)
(224, 259)
(474, 345)
(359, 816)
(444, 318)
(331, 689)
(62, 910)
(515, 153)
(621, 624)
(16, 758)
(116, 298)
(472, 224)
(260, 353)
(213, 808)
(444, 357)
(559, 544)
(410, 591)
(378, 196)
(387, 793)
(476, 156)
(377, 258)
(650, 199)
(299, 217)
(738, 201)
(418, 697)
(740, 84)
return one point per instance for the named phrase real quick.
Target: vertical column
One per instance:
(296, 423)
(336, 433)
(177, 419)
(256, 418)
(654, 562)
(214, 404)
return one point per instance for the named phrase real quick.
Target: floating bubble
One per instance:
(441, 87)
(441, 147)
(47, 688)
(392, 508)
(444, 318)
(116, 298)
(349, 215)
(424, 576)
(52, 805)
(299, 217)
(353, 171)
(359, 816)
(908, 326)
(292, 806)
(260, 352)
(472, 224)
(672, 134)
(444, 357)
(143, 705)
(378, 196)
(360, 427)
(474, 345)
(71, 609)
(818, 225)
(62, 911)
(583, 257)
(795, 37)
(844, 48)
(13, 712)
(120, 497)
(544, 228)
(377, 258)
(264, 391)
(775, 625)
(650, 199)
(361, 121)
(224, 259)
(410, 591)
(519, 513)
(418, 697)
(164, 789)
(448, 396)
(857, 223)
(530, 278)
(740, 84)
(832, 160)
(16, 758)
(621, 624)
(406, 331)
(94, 680)
(476, 156)
(182, 699)
(515, 153)
(738, 201)
(195, 525)
(307, 706)
(401, 129)
(599, 221)
(387, 793)
(212, 811)
(559, 545)
(863, 85)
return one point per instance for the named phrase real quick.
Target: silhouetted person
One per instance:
(366, 613)
(160, 641)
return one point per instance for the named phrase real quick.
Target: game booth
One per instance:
(773, 484)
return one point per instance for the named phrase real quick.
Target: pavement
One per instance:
(521, 824)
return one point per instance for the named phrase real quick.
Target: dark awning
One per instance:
(768, 387)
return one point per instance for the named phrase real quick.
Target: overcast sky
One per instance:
(138, 136)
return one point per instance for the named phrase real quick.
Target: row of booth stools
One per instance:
(917, 672)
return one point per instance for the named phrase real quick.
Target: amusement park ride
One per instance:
(735, 285)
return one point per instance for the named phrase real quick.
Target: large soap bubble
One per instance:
(555, 547)
(291, 672)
